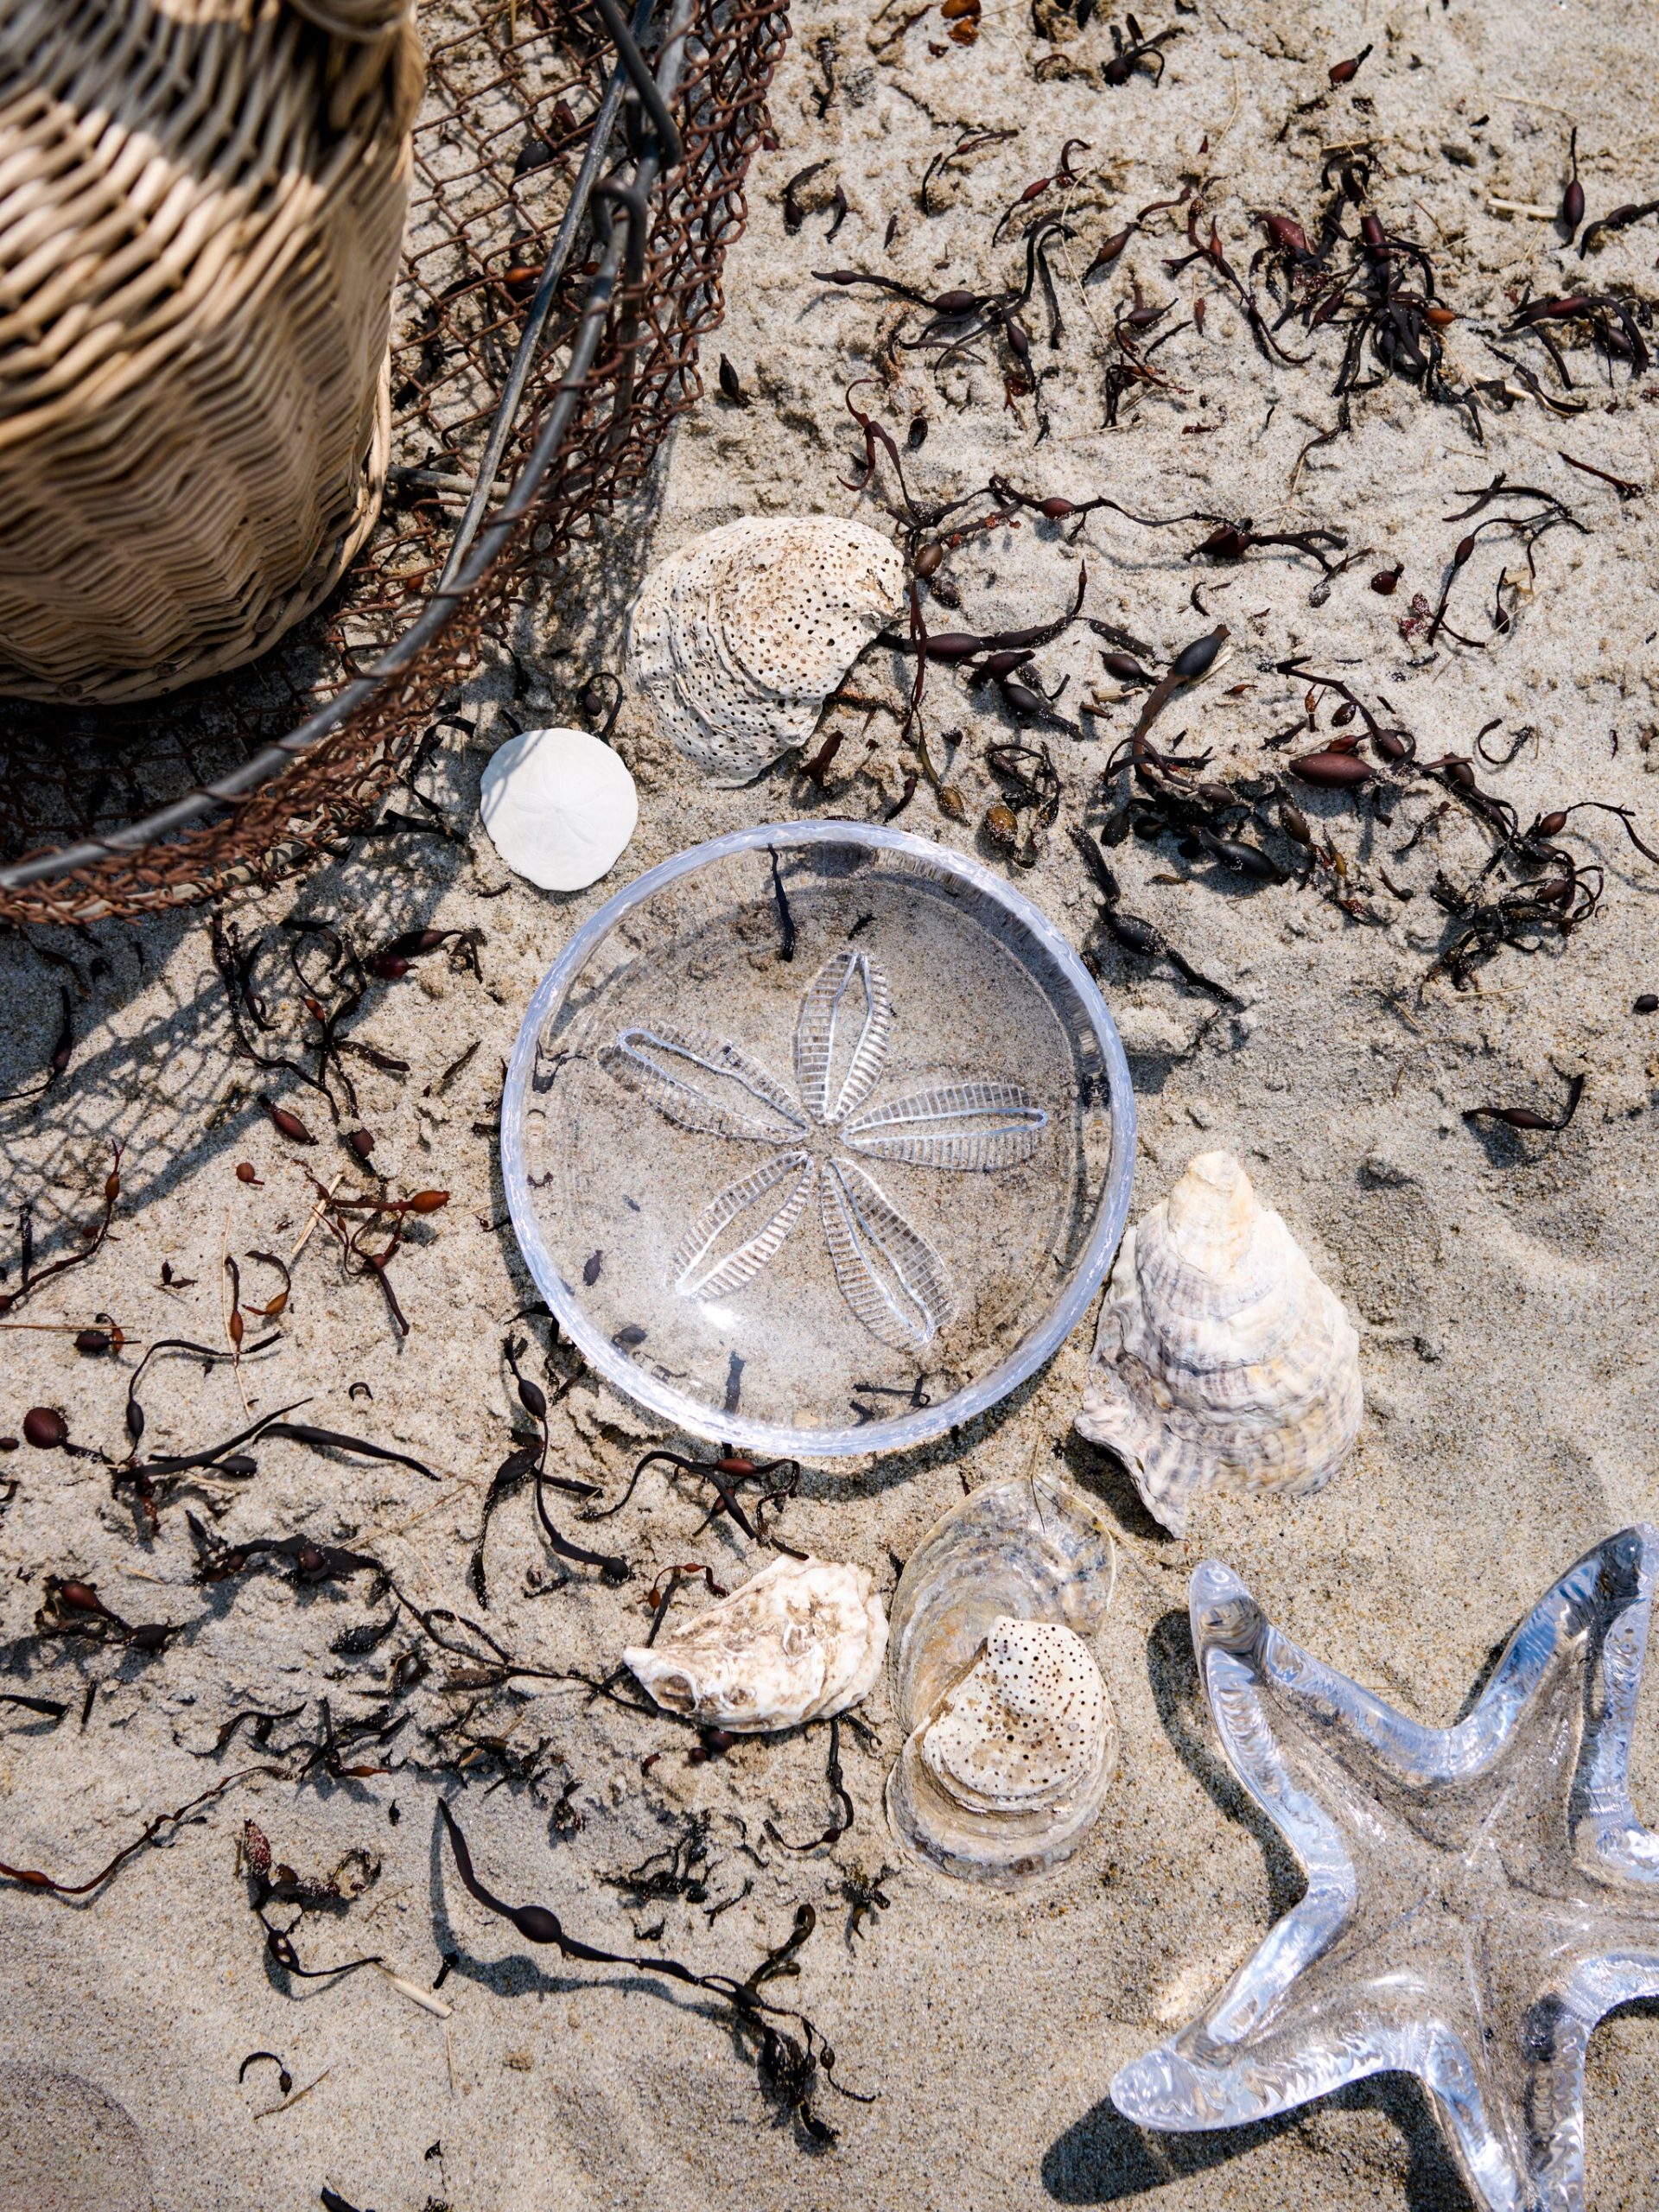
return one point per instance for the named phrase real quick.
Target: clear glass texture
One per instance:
(1478, 1897)
(818, 1138)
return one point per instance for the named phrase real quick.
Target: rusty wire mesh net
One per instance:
(514, 86)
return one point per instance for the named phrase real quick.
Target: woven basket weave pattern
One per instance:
(200, 208)
(509, 95)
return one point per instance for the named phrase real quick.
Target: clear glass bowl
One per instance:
(819, 1140)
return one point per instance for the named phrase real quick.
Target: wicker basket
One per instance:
(201, 203)
(126, 810)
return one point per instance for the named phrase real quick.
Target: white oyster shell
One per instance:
(1012, 1740)
(559, 806)
(1027, 1728)
(1221, 1362)
(800, 1641)
(739, 638)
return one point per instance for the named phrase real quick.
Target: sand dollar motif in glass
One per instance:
(818, 1138)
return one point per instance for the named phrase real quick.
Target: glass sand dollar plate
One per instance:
(818, 1138)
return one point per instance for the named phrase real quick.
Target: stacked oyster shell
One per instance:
(802, 1640)
(1221, 1362)
(737, 641)
(1027, 1735)
(1012, 1740)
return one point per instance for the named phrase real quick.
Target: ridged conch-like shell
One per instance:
(1011, 1737)
(1221, 1362)
(737, 639)
(800, 1641)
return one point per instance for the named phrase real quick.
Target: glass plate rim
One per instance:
(921, 1425)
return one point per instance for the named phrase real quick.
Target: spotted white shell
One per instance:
(1012, 1741)
(1027, 1727)
(1221, 1362)
(559, 806)
(737, 639)
(800, 1641)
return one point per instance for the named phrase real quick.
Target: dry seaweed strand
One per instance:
(843, 1818)
(723, 1475)
(91, 1243)
(149, 1836)
(790, 2063)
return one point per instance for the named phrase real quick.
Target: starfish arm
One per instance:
(1182, 2086)
(1605, 1597)
(1596, 1614)
(972, 1123)
(743, 1228)
(822, 1041)
(1229, 1635)
(1239, 1656)
(1331, 2028)
(890, 1276)
(1620, 1844)
(1555, 2035)
(1186, 2084)
(704, 1083)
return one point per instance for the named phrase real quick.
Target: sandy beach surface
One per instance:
(1502, 1280)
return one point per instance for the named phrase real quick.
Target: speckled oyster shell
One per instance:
(1011, 1739)
(737, 639)
(1221, 1362)
(801, 1640)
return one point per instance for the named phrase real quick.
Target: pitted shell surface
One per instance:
(1024, 1728)
(737, 639)
(1012, 1741)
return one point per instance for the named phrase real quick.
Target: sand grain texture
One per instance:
(1504, 1283)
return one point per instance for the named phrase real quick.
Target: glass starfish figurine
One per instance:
(1478, 1897)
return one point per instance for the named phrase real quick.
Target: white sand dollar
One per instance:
(560, 807)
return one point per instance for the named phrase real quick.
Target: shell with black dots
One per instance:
(1011, 1740)
(1027, 1727)
(736, 641)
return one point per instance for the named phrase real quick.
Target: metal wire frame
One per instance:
(372, 678)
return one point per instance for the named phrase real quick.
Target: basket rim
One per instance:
(476, 545)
